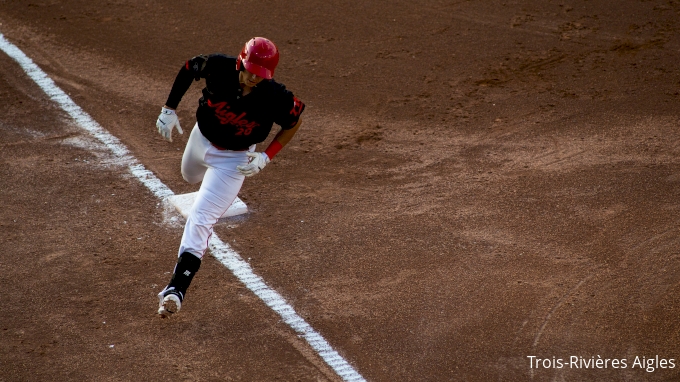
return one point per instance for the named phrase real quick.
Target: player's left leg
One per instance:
(220, 186)
(219, 189)
(171, 297)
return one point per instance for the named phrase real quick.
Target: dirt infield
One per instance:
(475, 183)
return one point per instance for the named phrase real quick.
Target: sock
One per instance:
(186, 268)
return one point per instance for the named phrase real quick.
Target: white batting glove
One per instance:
(257, 163)
(166, 121)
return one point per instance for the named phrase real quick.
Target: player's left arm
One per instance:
(290, 121)
(260, 159)
(281, 139)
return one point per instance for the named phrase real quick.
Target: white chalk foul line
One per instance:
(222, 251)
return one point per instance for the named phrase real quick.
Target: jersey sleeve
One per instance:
(193, 69)
(288, 110)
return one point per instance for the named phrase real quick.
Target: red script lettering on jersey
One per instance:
(227, 117)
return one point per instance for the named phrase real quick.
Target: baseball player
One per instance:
(239, 106)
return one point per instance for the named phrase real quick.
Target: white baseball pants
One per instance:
(221, 183)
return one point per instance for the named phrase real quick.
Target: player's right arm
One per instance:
(193, 69)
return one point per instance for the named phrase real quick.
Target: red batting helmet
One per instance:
(260, 57)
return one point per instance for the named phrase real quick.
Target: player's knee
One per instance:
(191, 178)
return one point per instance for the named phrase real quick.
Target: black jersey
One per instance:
(226, 117)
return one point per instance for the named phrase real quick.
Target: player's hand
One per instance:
(166, 122)
(257, 163)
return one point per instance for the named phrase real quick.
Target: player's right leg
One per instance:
(193, 159)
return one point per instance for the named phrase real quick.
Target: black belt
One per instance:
(222, 148)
